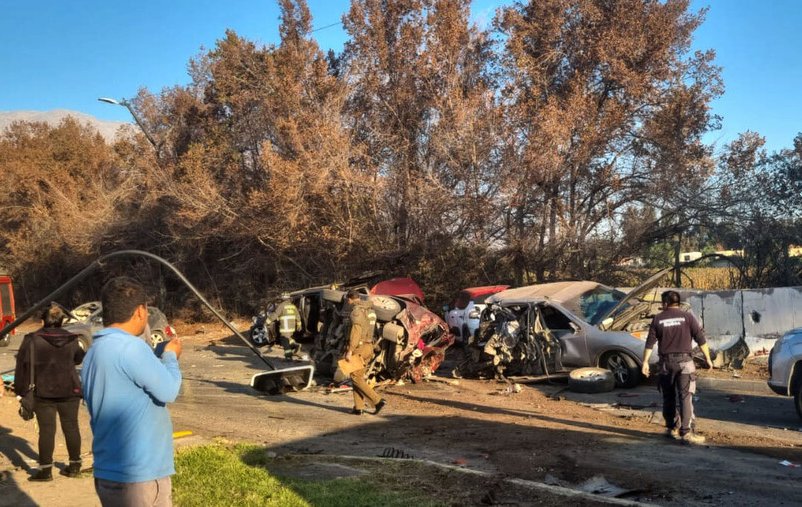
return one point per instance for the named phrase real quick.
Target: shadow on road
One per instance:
(16, 449)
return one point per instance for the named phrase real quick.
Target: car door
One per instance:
(571, 333)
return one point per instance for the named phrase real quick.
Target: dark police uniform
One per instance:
(673, 329)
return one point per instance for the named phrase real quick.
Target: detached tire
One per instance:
(385, 307)
(591, 380)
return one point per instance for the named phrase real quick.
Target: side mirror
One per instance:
(574, 327)
(606, 323)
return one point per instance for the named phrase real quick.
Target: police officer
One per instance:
(360, 348)
(672, 330)
(289, 321)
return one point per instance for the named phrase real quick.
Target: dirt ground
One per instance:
(543, 433)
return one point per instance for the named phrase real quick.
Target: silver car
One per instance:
(785, 367)
(87, 319)
(555, 327)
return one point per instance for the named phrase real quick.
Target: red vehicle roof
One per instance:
(485, 290)
(398, 287)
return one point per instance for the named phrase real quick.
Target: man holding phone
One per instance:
(126, 388)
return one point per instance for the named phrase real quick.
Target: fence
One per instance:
(759, 315)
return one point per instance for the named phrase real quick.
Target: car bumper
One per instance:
(782, 390)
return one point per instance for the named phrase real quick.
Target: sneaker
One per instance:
(379, 406)
(692, 438)
(672, 433)
(356, 411)
(71, 470)
(42, 475)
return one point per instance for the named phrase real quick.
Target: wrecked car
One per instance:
(314, 306)
(463, 315)
(87, 319)
(554, 327)
(409, 340)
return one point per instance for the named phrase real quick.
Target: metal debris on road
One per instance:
(787, 463)
(392, 452)
(432, 378)
(333, 389)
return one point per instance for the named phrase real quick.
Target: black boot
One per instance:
(379, 406)
(72, 470)
(42, 475)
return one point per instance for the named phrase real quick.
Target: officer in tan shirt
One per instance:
(360, 350)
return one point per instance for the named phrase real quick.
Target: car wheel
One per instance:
(797, 385)
(624, 368)
(259, 336)
(156, 337)
(385, 307)
(591, 380)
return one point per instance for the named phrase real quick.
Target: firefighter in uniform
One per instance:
(289, 321)
(672, 330)
(360, 348)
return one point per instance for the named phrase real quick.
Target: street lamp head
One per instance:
(124, 103)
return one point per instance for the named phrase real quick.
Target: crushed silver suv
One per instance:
(785, 367)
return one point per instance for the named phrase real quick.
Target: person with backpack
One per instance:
(53, 353)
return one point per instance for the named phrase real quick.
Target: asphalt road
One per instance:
(545, 433)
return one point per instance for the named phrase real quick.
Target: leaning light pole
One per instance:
(127, 105)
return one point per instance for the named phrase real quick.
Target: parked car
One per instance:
(785, 367)
(555, 327)
(7, 315)
(87, 319)
(463, 315)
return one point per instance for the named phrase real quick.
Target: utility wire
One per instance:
(324, 27)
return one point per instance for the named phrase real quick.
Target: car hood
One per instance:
(635, 294)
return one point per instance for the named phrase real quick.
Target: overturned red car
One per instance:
(410, 341)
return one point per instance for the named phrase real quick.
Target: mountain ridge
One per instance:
(108, 129)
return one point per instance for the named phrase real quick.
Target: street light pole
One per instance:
(127, 105)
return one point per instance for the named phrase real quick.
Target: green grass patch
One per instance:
(238, 475)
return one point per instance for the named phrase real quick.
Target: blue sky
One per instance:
(65, 54)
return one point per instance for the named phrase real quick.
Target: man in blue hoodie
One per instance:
(126, 388)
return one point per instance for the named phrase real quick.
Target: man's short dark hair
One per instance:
(53, 316)
(353, 294)
(670, 298)
(120, 298)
